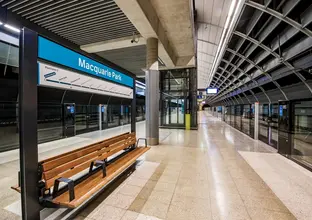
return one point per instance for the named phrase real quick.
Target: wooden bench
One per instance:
(92, 165)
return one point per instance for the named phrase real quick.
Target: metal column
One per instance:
(152, 92)
(100, 117)
(133, 109)
(28, 78)
(256, 120)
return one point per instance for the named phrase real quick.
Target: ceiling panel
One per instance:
(130, 58)
(211, 17)
(81, 22)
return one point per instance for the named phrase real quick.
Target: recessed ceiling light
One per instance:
(1, 23)
(12, 28)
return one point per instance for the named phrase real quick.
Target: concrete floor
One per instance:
(204, 174)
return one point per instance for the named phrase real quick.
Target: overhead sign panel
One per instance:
(56, 77)
(212, 90)
(53, 52)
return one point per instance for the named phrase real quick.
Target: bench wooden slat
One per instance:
(81, 152)
(82, 159)
(69, 164)
(50, 182)
(81, 148)
(87, 188)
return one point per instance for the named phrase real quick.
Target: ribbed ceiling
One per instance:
(130, 58)
(268, 53)
(79, 21)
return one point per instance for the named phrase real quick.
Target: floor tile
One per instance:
(155, 208)
(106, 212)
(179, 213)
(261, 214)
(137, 205)
(135, 181)
(130, 190)
(161, 196)
(130, 215)
(273, 204)
(164, 186)
(229, 212)
(119, 200)
(224, 198)
(146, 217)
(168, 179)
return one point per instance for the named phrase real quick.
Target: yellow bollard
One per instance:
(188, 121)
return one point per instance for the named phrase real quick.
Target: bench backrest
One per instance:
(73, 162)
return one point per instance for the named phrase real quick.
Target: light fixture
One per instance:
(225, 34)
(1, 23)
(12, 28)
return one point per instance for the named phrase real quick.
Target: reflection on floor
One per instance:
(190, 175)
(200, 175)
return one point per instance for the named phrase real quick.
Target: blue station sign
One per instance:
(53, 52)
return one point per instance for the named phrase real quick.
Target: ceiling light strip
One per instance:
(232, 17)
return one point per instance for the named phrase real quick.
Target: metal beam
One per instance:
(243, 73)
(286, 63)
(259, 68)
(280, 16)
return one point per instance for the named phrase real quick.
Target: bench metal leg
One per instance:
(103, 164)
(137, 144)
(70, 184)
(97, 163)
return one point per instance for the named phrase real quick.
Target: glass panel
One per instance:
(81, 118)
(113, 115)
(263, 121)
(50, 124)
(93, 117)
(181, 111)
(227, 115)
(274, 124)
(104, 117)
(8, 54)
(238, 117)
(246, 119)
(232, 115)
(302, 132)
(174, 111)
(139, 113)
(9, 135)
(9, 129)
(124, 114)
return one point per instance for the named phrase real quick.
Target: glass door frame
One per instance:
(64, 119)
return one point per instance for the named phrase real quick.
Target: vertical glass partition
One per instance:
(246, 119)
(302, 132)
(178, 96)
(9, 129)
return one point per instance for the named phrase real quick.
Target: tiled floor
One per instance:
(290, 182)
(193, 175)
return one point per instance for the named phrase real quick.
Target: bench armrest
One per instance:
(102, 164)
(137, 144)
(70, 184)
(99, 163)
